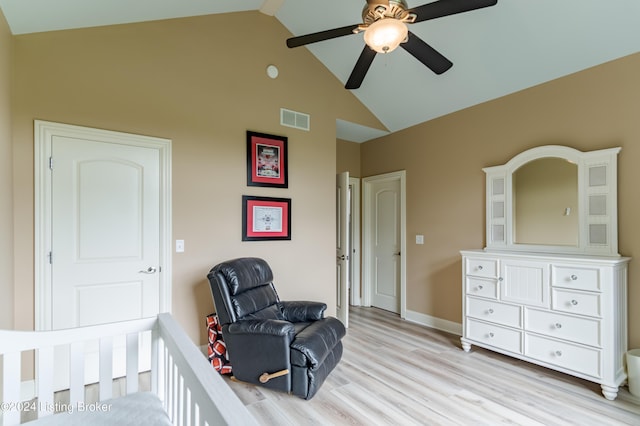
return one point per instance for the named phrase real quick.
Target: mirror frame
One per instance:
(597, 181)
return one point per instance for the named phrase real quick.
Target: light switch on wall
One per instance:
(419, 239)
(179, 246)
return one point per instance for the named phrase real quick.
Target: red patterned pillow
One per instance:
(217, 350)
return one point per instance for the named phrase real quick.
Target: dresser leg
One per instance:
(609, 392)
(466, 346)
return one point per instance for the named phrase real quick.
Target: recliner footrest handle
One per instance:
(265, 377)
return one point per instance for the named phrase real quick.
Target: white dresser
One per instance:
(564, 312)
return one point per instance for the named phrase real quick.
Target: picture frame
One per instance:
(266, 218)
(267, 163)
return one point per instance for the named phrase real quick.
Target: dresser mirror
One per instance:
(554, 199)
(545, 202)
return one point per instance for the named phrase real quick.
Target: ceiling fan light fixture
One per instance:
(385, 35)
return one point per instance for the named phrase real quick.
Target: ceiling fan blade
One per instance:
(361, 68)
(320, 36)
(441, 8)
(426, 54)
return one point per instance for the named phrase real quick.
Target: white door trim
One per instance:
(43, 133)
(356, 245)
(367, 251)
(343, 260)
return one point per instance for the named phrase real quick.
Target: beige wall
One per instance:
(6, 180)
(348, 157)
(594, 109)
(202, 83)
(174, 79)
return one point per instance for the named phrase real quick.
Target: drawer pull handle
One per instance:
(479, 267)
(574, 277)
(500, 279)
(480, 287)
(574, 302)
(490, 310)
(558, 325)
(558, 353)
(490, 334)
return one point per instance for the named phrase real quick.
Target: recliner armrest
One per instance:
(262, 327)
(315, 342)
(303, 311)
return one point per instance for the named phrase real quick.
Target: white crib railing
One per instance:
(191, 391)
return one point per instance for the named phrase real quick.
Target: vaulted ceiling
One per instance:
(495, 51)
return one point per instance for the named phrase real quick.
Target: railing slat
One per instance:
(174, 391)
(186, 404)
(45, 371)
(106, 368)
(132, 363)
(11, 387)
(181, 399)
(76, 368)
(156, 386)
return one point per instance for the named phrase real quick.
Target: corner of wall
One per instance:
(6, 180)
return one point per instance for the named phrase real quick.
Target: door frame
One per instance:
(43, 134)
(355, 244)
(343, 259)
(367, 241)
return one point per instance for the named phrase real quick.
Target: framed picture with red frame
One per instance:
(266, 218)
(267, 160)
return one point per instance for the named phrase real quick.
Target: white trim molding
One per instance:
(366, 236)
(44, 131)
(433, 322)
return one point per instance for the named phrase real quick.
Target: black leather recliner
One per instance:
(286, 346)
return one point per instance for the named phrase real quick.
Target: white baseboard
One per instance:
(433, 322)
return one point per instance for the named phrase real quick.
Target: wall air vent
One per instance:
(295, 119)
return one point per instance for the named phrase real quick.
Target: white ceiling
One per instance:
(495, 51)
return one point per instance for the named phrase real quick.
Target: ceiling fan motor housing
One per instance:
(396, 9)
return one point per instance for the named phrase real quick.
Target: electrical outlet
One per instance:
(419, 239)
(179, 246)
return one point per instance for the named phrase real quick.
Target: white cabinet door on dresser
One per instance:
(564, 312)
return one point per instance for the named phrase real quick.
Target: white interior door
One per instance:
(106, 237)
(105, 233)
(342, 247)
(385, 241)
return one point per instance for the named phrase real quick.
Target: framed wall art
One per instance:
(267, 160)
(266, 218)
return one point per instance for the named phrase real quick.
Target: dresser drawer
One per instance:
(482, 287)
(575, 329)
(576, 302)
(575, 277)
(482, 267)
(496, 312)
(494, 335)
(564, 354)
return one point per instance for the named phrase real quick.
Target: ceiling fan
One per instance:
(384, 26)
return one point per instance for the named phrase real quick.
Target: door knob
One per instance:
(343, 257)
(149, 270)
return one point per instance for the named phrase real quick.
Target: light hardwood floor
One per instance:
(394, 372)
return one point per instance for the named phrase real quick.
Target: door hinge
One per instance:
(51, 163)
(50, 256)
